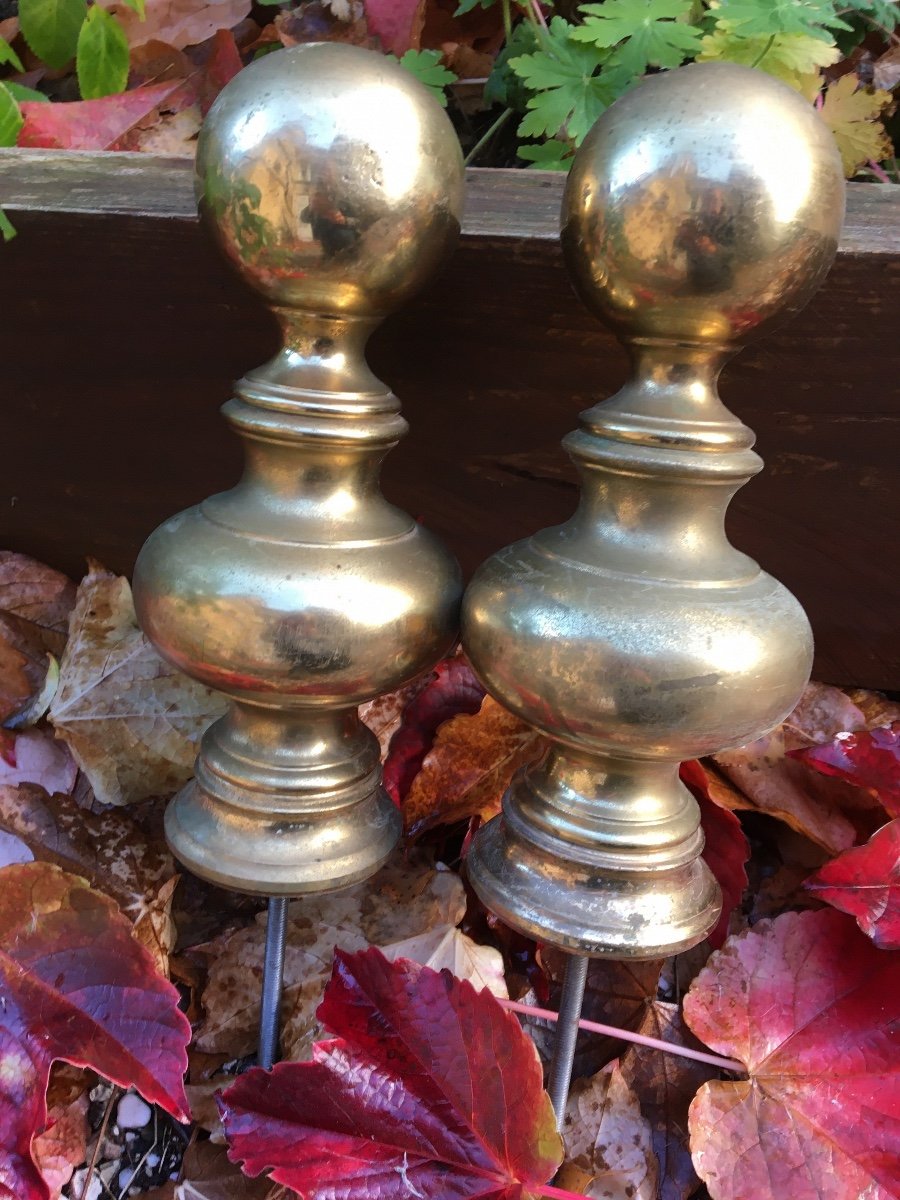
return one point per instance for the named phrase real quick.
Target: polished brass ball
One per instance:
(702, 205)
(331, 178)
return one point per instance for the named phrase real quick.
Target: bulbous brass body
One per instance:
(333, 182)
(704, 205)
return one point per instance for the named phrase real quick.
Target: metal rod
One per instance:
(273, 981)
(567, 1034)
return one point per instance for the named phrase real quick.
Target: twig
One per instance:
(486, 137)
(92, 1165)
(640, 1039)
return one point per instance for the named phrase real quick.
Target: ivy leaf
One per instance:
(568, 94)
(865, 882)
(102, 56)
(11, 119)
(763, 18)
(812, 1009)
(548, 156)
(51, 28)
(427, 67)
(868, 758)
(430, 1090)
(652, 32)
(8, 55)
(794, 58)
(76, 986)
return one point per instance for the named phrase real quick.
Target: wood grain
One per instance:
(122, 330)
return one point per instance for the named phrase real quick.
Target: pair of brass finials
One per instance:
(703, 205)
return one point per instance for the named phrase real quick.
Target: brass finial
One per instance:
(333, 183)
(703, 206)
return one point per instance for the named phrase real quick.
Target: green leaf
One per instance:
(22, 93)
(427, 67)
(762, 18)
(51, 28)
(466, 6)
(884, 12)
(652, 33)
(11, 119)
(503, 85)
(8, 55)
(7, 229)
(795, 58)
(548, 156)
(102, 60)
(568, 92)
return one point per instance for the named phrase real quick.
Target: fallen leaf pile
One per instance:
(431, 1087)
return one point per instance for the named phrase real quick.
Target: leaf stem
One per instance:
(765, 50)
(640, 1039)
(486, 137)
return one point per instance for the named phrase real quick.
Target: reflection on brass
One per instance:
(333, 183)
(704, 205)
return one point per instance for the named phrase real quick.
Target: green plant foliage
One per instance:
(11, 119)
(503, 85)
(9, 56)
(762, 18)
(646, 33)
(569, 92)
(795, 58)
(102, 57)
(22, 93)
(7, 229)
(427, 68)
(549, 156)
(51, 28)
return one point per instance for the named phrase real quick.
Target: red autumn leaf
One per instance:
(431, 1090)
(397, 23)
(870, 759)
(75, 986)
(726, 850)
(90, 124)
(454, 690)
(865, 882)
(812, 1009)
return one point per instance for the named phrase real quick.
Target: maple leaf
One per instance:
(453, 689)
(794, 58)
(35, 602)
(609, 1154)
(652, 32)
(851, 113)
(665, 1085)
(726, 849)
(131, 720)
(430, 1089)
(405, 899)
(78, 987)
(569, 94)
(865, 882)
(469, 767)
(812, 1009)
(868, 758)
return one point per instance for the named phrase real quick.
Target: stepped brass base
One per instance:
(284, 803)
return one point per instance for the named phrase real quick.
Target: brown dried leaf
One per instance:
(109, 849)
(616, 993)
(35, 602)
(404, 899)
(131, 721)
(447, 948)
(469, 767)
(384, 715)
(609, 1155)
(208, 1175)
(759, 777)
(665, 1085)
(178, 23)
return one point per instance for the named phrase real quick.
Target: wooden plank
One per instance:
(122, 330)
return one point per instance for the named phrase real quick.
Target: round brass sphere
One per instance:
(703, 204)
(331, 179)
